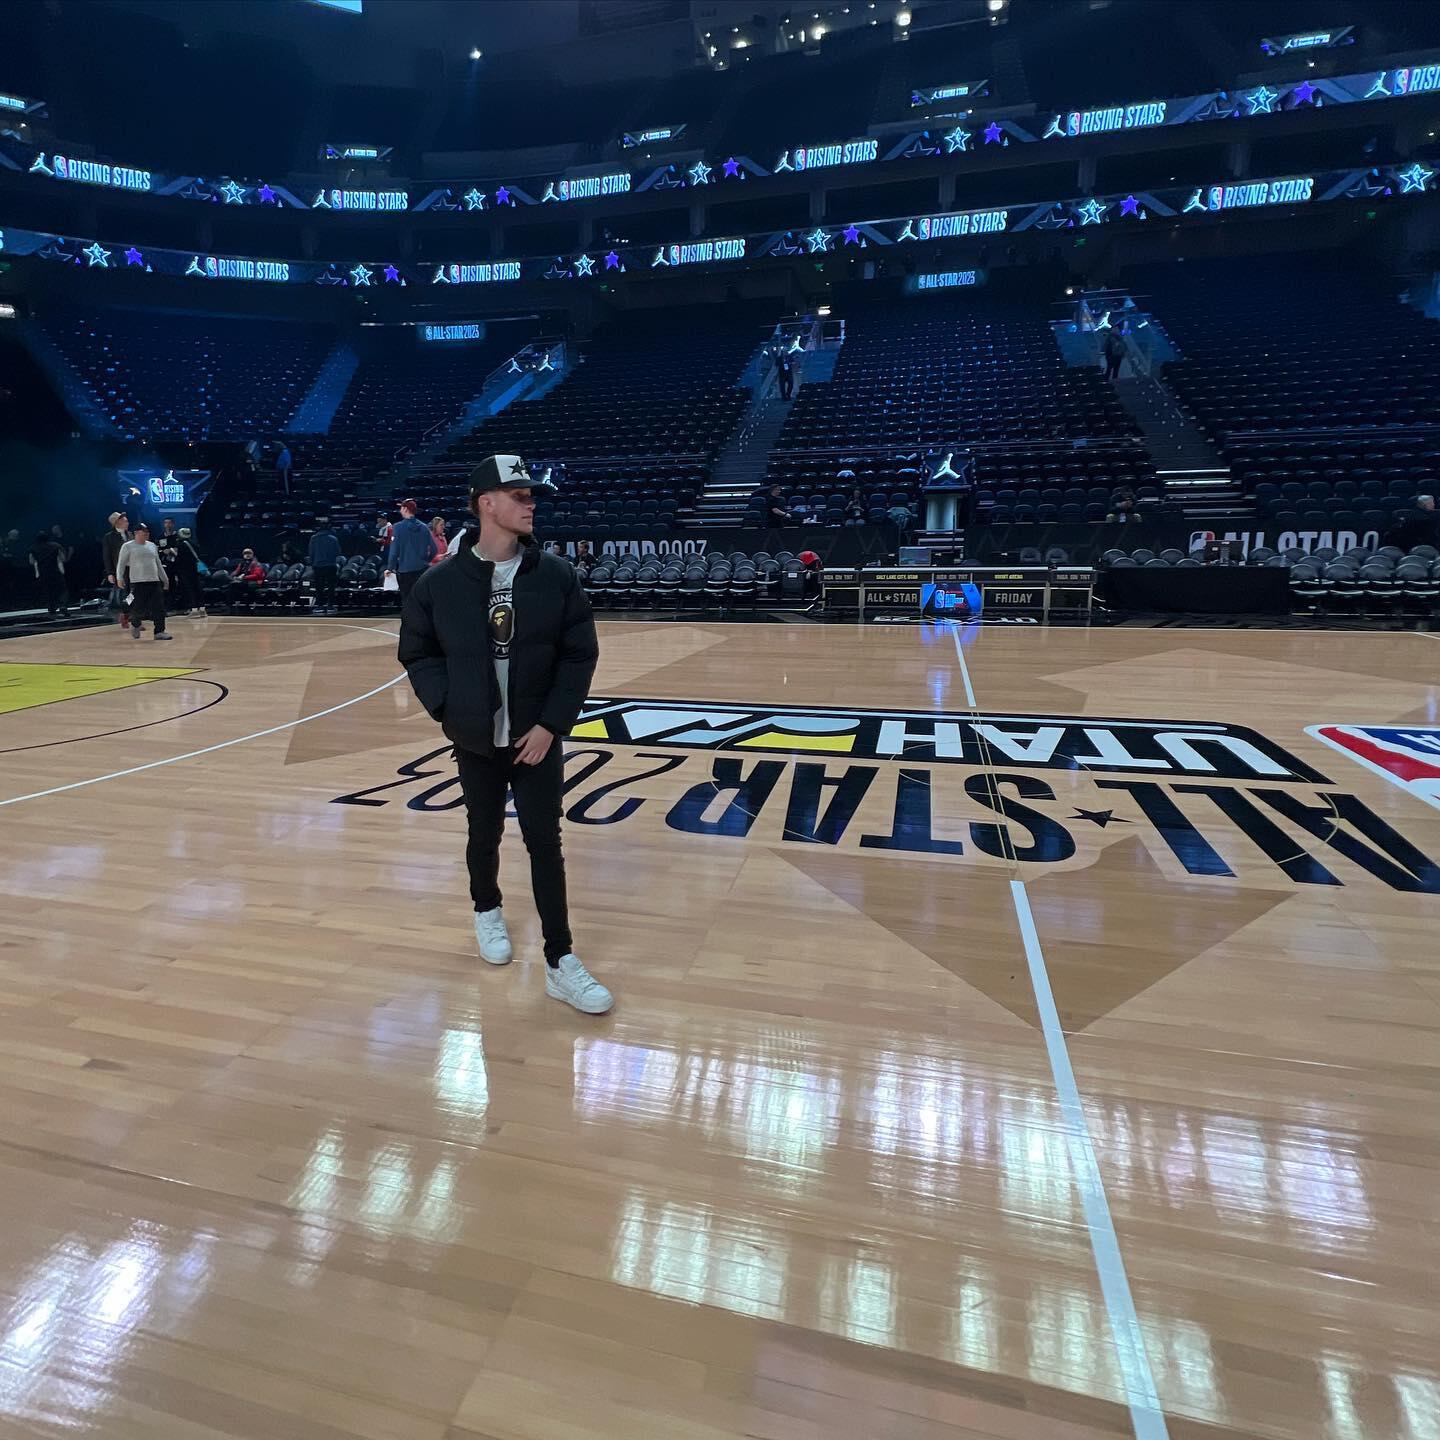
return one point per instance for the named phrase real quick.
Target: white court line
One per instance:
(210, 749)
(1147, 1419)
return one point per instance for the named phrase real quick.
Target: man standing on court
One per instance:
(505, 693)
(112, 545)
(411, 549)
(324, 560)
(140, 572)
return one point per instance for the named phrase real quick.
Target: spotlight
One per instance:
(817, 32)
(476, 53)
(1069, 289)
(902, 19)
(994, 6)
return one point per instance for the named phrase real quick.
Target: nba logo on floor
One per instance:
(1406, 755)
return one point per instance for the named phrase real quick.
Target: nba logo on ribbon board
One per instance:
(1406, 755)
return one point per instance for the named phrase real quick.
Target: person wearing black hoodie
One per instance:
(505, 693)
(115, 538)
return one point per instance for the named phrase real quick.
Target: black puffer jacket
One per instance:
(445, 647)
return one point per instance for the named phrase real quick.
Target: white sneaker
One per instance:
(571, 982)
(494, 938)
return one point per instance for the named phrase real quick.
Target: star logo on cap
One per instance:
(518, 468)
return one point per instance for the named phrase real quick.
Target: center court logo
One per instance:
(1405, 755)
(1221, 800)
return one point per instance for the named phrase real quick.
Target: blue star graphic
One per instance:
(360, 275)
(1129, 206)
(1261, 100)
(1415, 178)
(852, 234)
(234, 194)
(584, 265)
(98, 255)
(1092, 212)
(957, 139)
(700, 173)
(267, 195)
(732, 168)
(134, 257)
(817, 240)
(612, 261)
(474, 200)
(391, 274)
(1303, 93)
(993, 133)
(502, 196)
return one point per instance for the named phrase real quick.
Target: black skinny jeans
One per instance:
(537, 788)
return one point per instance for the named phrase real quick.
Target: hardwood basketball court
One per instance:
(1020, 1032)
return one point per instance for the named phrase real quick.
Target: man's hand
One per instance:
(533, 746)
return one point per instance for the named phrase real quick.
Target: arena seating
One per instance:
(164, 374)
(1371, 580)
(651, 401)
(1292, 344)
(1342, 483)
(403, 388)
(917, 377)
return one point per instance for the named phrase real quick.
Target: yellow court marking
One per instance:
(835, 744)
(24, 686)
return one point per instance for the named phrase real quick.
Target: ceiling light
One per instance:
(902, 19)
(817, 31)
(476, 53)
(995, 6)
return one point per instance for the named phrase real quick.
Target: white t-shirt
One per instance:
(502, 632)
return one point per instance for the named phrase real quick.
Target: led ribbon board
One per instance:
(947, 279)
(700, 253)
(588, 187)
(1371, 185)
(91, 172)
(1115, 117)
(938, 94)
(1308, 40)
(823, 157)
(470, 331)
(1295, 191)
(360, 200)
(221, 267)
(488, 274)
(19, 105)
(633, 139)
(356, 152)
(955, 227)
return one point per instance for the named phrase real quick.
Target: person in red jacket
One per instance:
(249, 568)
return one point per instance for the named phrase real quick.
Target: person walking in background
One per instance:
(47, 559)
(785, 372)
(411, 547)
(437, 531)
(141, 572)
(324, 561)
(383, 531)
(110, 547)
(505, 694)
(187, 573)
(1114, 352)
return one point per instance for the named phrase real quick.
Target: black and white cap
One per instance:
(504, 472)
